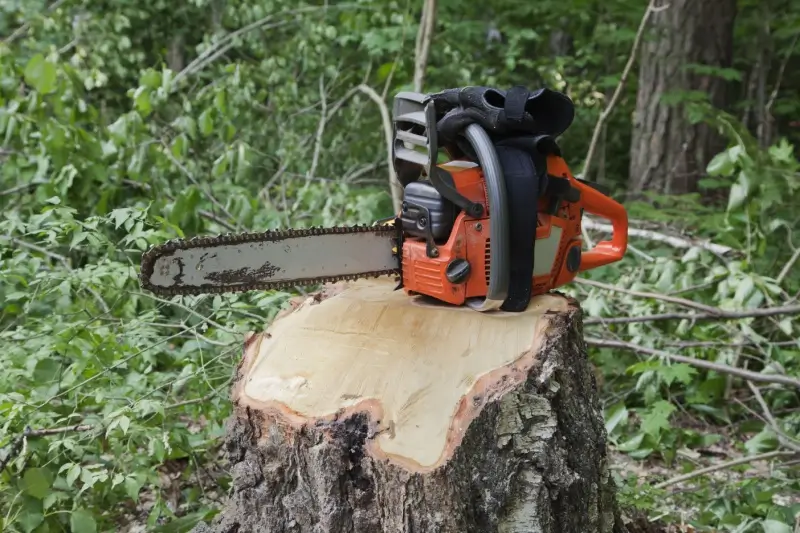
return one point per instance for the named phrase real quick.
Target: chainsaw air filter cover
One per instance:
(425, 211)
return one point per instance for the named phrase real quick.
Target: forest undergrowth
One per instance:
(113, 400)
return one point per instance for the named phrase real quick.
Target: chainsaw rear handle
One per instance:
(605, 252)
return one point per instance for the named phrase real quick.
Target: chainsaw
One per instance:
(496, 224)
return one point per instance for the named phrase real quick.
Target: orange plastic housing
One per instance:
(469, 240)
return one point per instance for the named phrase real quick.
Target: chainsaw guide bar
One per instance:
(273, 262)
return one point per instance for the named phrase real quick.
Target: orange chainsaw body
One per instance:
(558, 254)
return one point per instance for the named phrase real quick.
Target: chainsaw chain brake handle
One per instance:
(415, 124)
(499, 247)
(605, 252)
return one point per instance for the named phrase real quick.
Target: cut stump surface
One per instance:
(365, 410)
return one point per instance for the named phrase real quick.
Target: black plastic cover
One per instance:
(424, 210)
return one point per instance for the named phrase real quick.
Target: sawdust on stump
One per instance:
(365, 410)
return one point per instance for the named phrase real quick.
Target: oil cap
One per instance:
(457, 271)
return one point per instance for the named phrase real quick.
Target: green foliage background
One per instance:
(112, 400)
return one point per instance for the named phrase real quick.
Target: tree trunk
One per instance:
(669, 154)
(364, 410)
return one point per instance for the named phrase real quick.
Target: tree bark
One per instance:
(669, 154)
(364, 410)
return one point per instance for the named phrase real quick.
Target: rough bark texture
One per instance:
(533, 460)
(668, 153)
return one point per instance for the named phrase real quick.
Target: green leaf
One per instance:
(720, 165)
(141, 99)
(150, 78)
(46, 370)
(680, 372)
(73, 473)
(133, 484)
(657, 417)
(783, 152)
(617, 414)
(81, 521)
(124, 423)
(40, 74)
(220, 102)
(764, 441)
(30, 521)
(384, 70)
(743, 290)
(631, 444)
(206, 123)
(36, 482)
(773, 526)
(739, 192)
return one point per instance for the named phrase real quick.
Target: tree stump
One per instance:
(365, 410)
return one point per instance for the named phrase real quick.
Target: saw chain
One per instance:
(149, 257)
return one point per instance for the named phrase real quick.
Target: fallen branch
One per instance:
(741, 344)
(671, 240)
(652, 295)
(78, 428)
(722, 466)
(788, 267)
(785, 440)
(700, 363)
(718, 314)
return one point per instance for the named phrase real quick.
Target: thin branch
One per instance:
(226, 42)
(423, 44)
(785, 440)
(767, 122)
(352, 177)
(396, 188)
(788, 267)
(614, 97)
(700, 363)
(214, 218)
(187, 309)
(185, 171)
(202, 212)
(65, 263)
(20, 188)
(722, 466)
(78, 428)
(19, 32)
(742, 344)
(675, 242)
(683, 302)
(720, 314)
(323, 119)
(193, 401)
